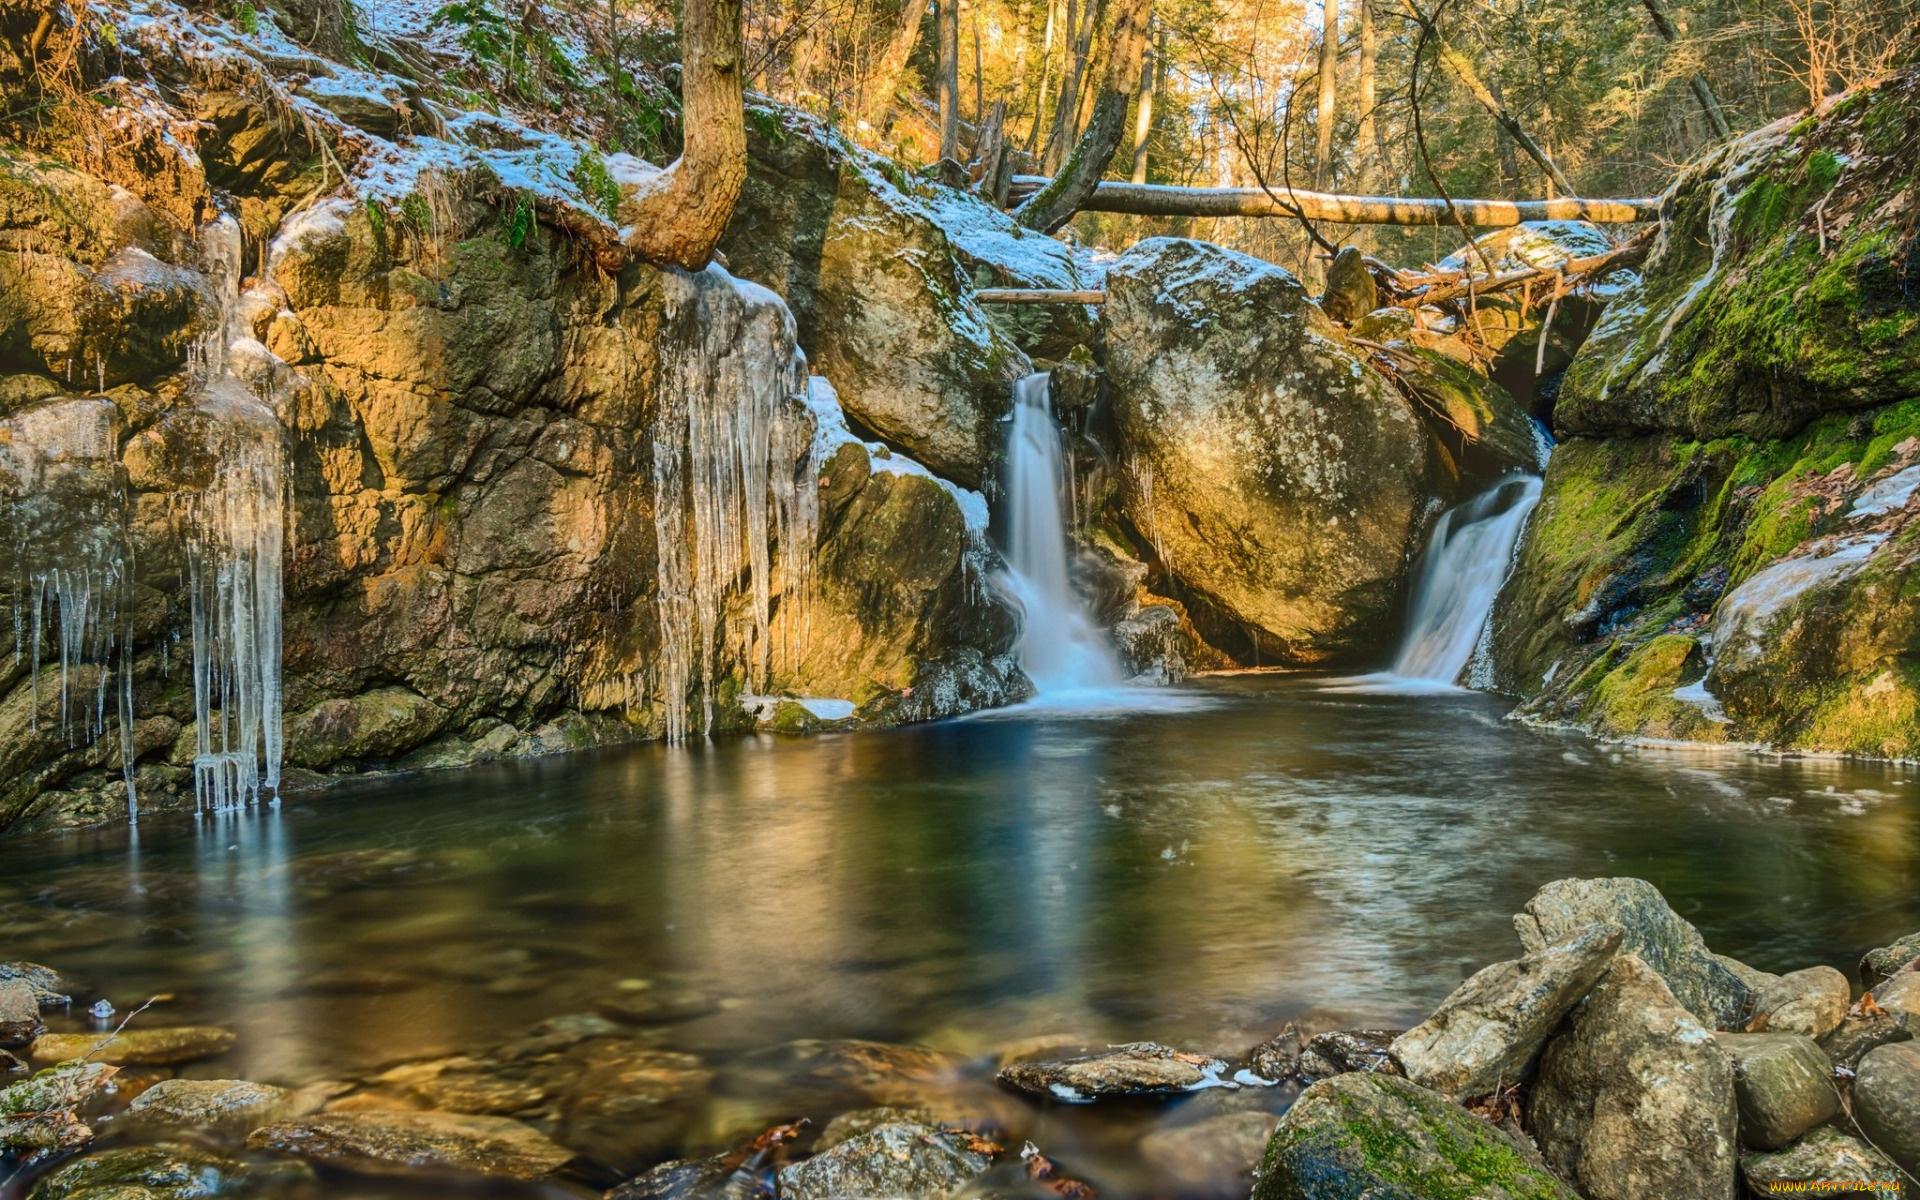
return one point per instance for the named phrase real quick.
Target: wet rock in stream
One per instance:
(212, 1104)
(147, 1047)
(19, 1015)
(1811, 1002)
(45, 983)
(1857, 1036)
(905, 1161)
(1783, 1083)
(1211, 1155)
(165, 1172)
(1368, 1051)
(455, 1141)
(1886, 1102)
(1876, 966)
(41, 1113)
(1133, 1069)
(850, 1125)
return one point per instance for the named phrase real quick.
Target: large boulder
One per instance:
(879, 268)
(1278, 477)
(1355, 1137)
(1826, 1156)
(1656, 935)
(1486, 1034)
(1810, 1002)
(1634, 1099)
(1886, 1102)
(1784, 1083)
(1878, 964)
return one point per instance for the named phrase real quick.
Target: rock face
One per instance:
(911, 1161)
(1659, 937)
(1135, 1069)
(1488, 1031)
(485, 1145)
(1359, 1136)
(1282, 481)
(1784, 1084)
(1635, 1099)
(880, 269)
(1810, 1002)
(497, 455)
(1886, 1101)
(1716, 554)
(1826, 1155)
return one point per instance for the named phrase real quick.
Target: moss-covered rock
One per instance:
(1358, 1136)
(166, 1172)
(1273, 471)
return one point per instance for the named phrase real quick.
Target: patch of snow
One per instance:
(973, 505)
(826, 709)
(1696, 693)
(1063, 1092)
(1889, 495)
(1746, 615)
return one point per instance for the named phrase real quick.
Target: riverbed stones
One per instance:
(19, 1015)
(210, 1104)
(1212, 1154)
(45, 983)
(457, 1141)
(907, 1161)
(161, 1047)
(1369, 1051)
(1634, 1099)
(41, 1113)
(1362, 1137)
(166, 1171)
(1659, 937)
(1886, 1101)
(1281, 479)
(628, 1103)
(1810, 1002)
(1133, 1069)
(1877, 965)
(1859, 1035)
(850, 1125)
(1277, 1059)
(1488, 1031)
(1825, 1155)
(1784, 1085)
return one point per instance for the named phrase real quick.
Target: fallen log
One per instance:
(1037, 296)
(1161, 200)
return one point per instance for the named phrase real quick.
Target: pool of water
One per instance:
(1259, 849)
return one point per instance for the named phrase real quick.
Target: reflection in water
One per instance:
(1190, 876)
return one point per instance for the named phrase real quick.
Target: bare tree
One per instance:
(1329, 66)
(1054, 205)
(679, 219)
(1143, 111)
(1702, 90)
(1371, 137)
(946, 18)
(906, 31)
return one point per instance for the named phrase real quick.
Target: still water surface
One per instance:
(1195, 875)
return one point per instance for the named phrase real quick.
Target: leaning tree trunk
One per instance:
(1462, 68)
(879, 102)
(1702, 90)
(679, 219)
(1054, 205)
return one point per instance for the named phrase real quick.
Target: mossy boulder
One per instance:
(1780, 286)
(1277, 476)
(1481, 430)
(1359, 1137)
(166, 1172)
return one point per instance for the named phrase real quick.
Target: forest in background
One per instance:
(1488, 98)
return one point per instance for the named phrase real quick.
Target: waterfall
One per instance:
(731, 470)
(235, 531)
(1458, 578)
(1059, 648)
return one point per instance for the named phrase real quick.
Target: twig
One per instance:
(108, 1040)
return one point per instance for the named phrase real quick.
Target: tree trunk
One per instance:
(1370, 135)
(899, 48)
(679, 219)
(1329, 64)
(1066, 113)
(1023, 34)
(979, 70)
(1161, 200)
(1046, 74)
(1462, 69)
(1702, 90)
(1143, 114)
(947, 25)
(1054, 205)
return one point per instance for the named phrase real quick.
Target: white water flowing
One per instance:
(1059, 647)
(1456, 582)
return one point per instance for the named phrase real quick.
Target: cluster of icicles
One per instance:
(73, 563)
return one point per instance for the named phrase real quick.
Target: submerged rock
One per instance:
(1214, 1155)
(1784, 1085)
(486, 1145)
(1356, 1137)
(1827, 1156)
(1634, 1098)
(625, 1104)
(1134, 1069)
(850, 1125)
(143, 1047)
(1369, 1051)
(1277, 476)
(1486, 1034)
(913, 1162)
(1659, 937)
(1886, 1101)
(165, 1172)
(1810, 1002)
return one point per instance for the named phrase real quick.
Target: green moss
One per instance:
(1635, 698)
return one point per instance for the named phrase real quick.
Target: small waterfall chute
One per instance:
(1060, 648)
(1455, 583)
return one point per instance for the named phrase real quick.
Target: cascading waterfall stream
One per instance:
(1458, 578)
(1059, 647)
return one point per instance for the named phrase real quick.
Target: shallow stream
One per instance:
(1258, 849)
